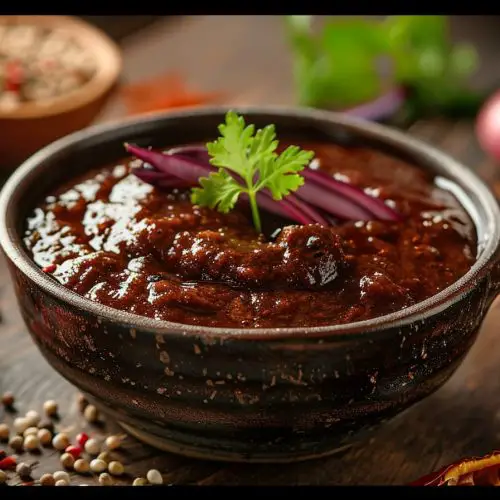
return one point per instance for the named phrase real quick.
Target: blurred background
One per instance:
(403, 70)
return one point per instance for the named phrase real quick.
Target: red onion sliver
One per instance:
(282, 208)
(306, 209)
(196, 152)
(375, 206)
(381, 107)
(182, 167)
(148, 175)
(331, 202)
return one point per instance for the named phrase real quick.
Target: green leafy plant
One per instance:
(339, 65)
(248, 163)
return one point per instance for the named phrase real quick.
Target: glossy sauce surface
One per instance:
(121, 242)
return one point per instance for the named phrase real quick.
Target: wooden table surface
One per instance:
(246, 57)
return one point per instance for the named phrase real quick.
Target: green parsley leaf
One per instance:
(218, 190)
(248, 163)
(274, 170)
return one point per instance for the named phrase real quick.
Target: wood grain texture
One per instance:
(246, 57)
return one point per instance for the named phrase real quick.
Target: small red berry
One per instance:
(74, 451)
(81, 439)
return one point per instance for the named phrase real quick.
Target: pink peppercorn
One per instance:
(81, 439)
(74, 451)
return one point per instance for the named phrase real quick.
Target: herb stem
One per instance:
(255, 211)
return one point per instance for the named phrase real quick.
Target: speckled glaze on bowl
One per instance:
(272, 395)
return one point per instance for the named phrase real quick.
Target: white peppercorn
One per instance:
(91, 413)
(98, 465)
(67, 460)
(31, 443)
(154, 476)
(61, 475)
(4, 432)
(60, 441)
(92, 447)
(45, 437)
(105, 479)
(33, 418)
(50, 408)
(116, 468)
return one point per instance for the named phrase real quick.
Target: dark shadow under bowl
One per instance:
(271, 395)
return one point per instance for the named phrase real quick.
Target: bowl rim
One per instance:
(12, 245)
(105, 50)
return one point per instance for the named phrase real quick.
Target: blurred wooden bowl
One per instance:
(31, 125)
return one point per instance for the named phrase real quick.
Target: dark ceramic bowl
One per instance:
(272, 395)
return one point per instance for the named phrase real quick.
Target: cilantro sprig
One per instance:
(248, 163)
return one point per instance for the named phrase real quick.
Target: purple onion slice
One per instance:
(381, 108)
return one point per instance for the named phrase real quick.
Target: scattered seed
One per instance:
(154, 476)
(50, 408)
(81, 466)
(45, 436)
(47, 480)
(104, 456)
(30, 430)
(8, 399)
(67, 460)
(92, 447)
(61, 475)
(91, 413)
(16, 443)
(74, 451)
(82, 438)
(46, 424)
(82, 402)
(31, 443)
(62, 482)
(113, 442)
(4, 432)
(98, 465)
(3, 477)
(105, 479)
(33, 418)
(60, 441)
(140, 481)
(23, 470)
(21, 424)
(116, 468)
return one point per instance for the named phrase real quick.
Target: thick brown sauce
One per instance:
(118, 241)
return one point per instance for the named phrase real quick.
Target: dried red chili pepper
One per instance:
(475, 471)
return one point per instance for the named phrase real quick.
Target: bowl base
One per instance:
(203, 453)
